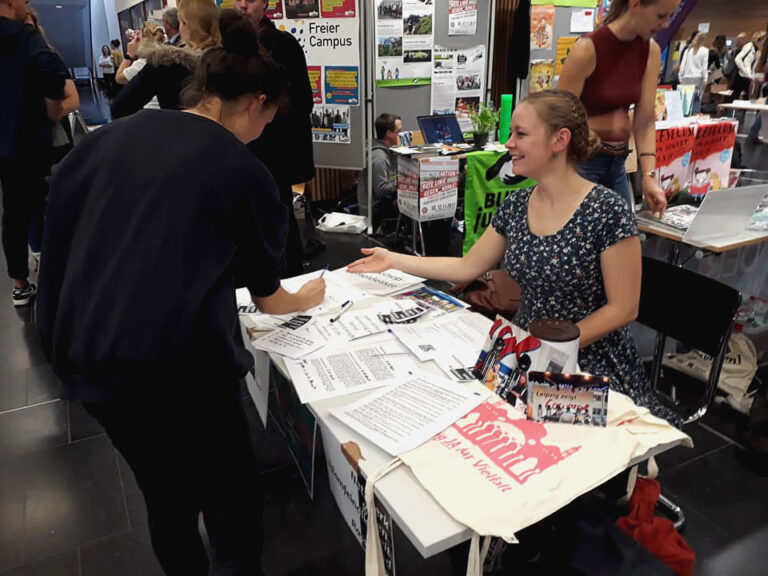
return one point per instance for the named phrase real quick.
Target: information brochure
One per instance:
(379, 283)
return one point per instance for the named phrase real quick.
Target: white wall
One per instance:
(120, 5)
(104, 26)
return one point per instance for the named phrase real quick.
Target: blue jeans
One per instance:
(608, 171)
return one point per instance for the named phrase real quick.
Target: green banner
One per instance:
(483, 197)
(575, 3)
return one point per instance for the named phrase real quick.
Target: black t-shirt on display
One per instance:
(150, 219)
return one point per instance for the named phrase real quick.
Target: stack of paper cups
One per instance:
(505, 116)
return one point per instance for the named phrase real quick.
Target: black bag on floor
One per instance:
(309, 241)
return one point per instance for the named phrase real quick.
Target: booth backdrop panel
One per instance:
(410, 103)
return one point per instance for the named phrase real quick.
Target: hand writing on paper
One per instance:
(654, 195)
(312, 293)
(377, 260)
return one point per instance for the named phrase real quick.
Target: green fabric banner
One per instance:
(482, 197)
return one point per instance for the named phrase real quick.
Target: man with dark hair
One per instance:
(171, 26)
(290, 130)
(383, 172)
(32, 82)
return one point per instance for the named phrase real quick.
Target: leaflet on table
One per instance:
(288, 342)
(676, 217)
(379, 283)
(339, 372)
(436, 301)
(431, 340)
(403, 417)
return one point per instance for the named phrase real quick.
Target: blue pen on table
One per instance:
(344, 307)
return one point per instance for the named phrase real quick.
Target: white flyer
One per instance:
(288, 343)
(452, 332)
(583, 20)
(462, 17)
(378, 283)
(403, 417)
(359, 324)
(340, 372)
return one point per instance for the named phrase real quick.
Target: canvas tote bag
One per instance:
(497, 472)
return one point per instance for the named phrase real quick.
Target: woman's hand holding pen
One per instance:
(377, 260)
(312, 293)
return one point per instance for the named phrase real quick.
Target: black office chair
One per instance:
(698, 312)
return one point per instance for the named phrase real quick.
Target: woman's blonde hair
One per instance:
(201, 18)
(698, 40)
(758, 38)
(560, 109)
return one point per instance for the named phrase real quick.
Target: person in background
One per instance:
(137, 313)
(168, 67)
(694, 68)
(291, 130)
(171, 26)
(571, 244)
(383, 172)
(32, 82)
(745, 66)
(612, 69)
(117, 54)
(107, 67)
(757, 125)
(717, 52)
(729, 64)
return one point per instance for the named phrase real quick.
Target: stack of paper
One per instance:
(381, 283)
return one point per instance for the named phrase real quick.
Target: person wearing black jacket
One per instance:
(285, 147)
(32, 79)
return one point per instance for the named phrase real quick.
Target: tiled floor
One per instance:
(69, 505)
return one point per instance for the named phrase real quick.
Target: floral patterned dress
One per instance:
(561, 277)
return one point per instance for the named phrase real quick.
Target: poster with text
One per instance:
(330, 124)
(274, 10)
(338, 8)
(542, 27)
(458, 82)
(602, 10)
(542, 75)
(572, 3)
(342, 85)
(302, 9)
(438, 188)
(315, 80)
(564, 45)
(404, 35)
(462, 17)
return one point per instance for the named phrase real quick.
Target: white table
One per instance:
(429, 528)
(761, 107)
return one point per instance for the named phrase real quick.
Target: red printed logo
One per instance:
(515, 446)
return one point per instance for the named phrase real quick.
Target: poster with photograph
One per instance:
(542, 27)
(404, 37)
(564, 45)
(337, 8)
(302, 9)
(458, 82)
(542, 75)
(330, 124)
(462, 17)
(274, 10)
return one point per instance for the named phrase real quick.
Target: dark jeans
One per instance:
(191, 453)
(608, 171)
(24, 190)
(294, 248)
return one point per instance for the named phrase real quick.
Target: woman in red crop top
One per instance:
(611, 69)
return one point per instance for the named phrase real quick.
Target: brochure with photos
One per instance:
(568, 398)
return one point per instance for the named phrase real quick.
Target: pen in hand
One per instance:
(344, 307)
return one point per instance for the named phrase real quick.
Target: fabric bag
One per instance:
(342, 223)
(497, 472)
(493, 293)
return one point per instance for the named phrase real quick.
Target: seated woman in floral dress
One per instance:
(570, 244)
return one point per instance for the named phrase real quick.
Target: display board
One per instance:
(409, 102)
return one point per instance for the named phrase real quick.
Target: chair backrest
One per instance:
(693, 309)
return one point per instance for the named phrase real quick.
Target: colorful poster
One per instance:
(337, 8)
(315, 80)
(674, 145)
(342, 85)
(302, 9)
(274, 10)
(542, 75)
(602, 10)
(404, 37)
(462, 17)
(330, 124)
(582, 21)
(489, 181)
(458, 82)
(711, 156)
(564, 45)
(542, 27)
(427, 188)
(573, 3)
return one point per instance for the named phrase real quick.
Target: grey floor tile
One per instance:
(127, 554)
(704, 442)
(43, 385)
(81, 424)
(20, 347)
(746, 557)
(134, 499)
(66, 564)
(68, 495)
(13, 388)
(33, 428)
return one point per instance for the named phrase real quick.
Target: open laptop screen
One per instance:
(441, 129)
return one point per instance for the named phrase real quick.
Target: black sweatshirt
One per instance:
(149, 217)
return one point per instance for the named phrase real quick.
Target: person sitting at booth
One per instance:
(383, 172)
(571, 245)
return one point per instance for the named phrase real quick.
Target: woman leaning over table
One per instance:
(611, 69)
(570, 244)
